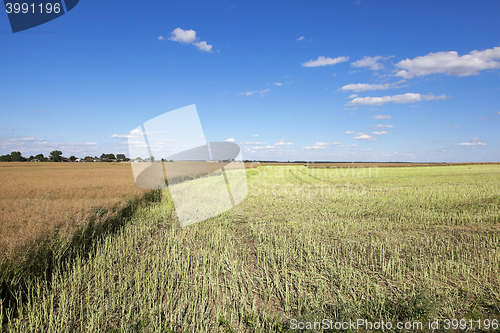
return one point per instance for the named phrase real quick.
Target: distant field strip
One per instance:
(415, 244)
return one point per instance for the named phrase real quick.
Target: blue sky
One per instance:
(286, 80)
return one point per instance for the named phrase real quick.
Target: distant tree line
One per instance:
(57, 156)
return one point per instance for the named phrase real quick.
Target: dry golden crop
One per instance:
(38, 198)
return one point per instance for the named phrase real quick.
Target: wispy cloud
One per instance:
(161, 38)
(369, 62)
(380, 132)
(364, 136)
(300, 38)
(30, 145)
(283, 142)
(358, 87)
(324, 61)
(450, 63)
(399, 99)
(278, 84)
(340, 145)
(252, 143)
(120, 136)
(250, 93)
(381, 116)
(472, 142)
(230, 140)
(265, 148)
(452, 126)
(383, 126)
(349, 132)
(317, 145)
(263, 92)
(255, 135)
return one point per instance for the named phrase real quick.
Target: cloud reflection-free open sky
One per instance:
(286, 80)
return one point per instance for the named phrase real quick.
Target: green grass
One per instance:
(411, 244)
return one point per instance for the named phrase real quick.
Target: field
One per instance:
(392, 244)
(38, 198)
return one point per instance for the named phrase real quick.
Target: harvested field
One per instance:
(400, 245)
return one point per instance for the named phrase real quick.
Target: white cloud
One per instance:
(203, 46)
(300, 38)
(230, 140)
(183, 36)
(380, 133)
(472, 142)
(348, 132)
(188, 37)
(263, 92)
(383, 126)
(324, 61)
(431, 97)
(381, 116)
(353, 96)
(161, 38)
(357, 87)
(498, 113)
(450, 63)
(278, 84)
(369, 62)
(340, 145)
(403, 98)
(248, 93)
(265, 148)
(255, 135)
(453, 126)
(363, 136)
(136, 144)
(317, 145)
(252, 143)
(29, 145)
(282, 142)
(120, 136)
